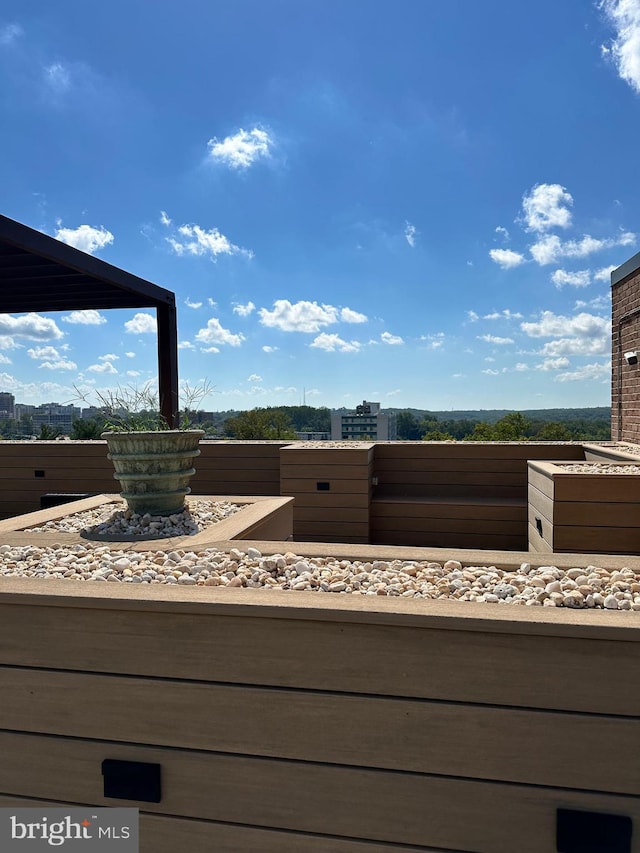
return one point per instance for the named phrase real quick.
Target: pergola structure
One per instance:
(38, 273)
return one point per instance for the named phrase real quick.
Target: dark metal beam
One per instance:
(168, 363)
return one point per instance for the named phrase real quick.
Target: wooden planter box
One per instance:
(260, 517)
(287, 722)
(574, 510)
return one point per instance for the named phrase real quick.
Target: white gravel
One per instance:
(598, 468)
(105, 521)
(587, 587)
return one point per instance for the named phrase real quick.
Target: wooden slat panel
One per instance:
(359, 454)
(511, 510)
(236, 475)
(596, 540)
(596, 514)
(538, 543)
(332, 527)
(161, 834)
(304, 512)
(353, 487)
(442, 491)
(396, 734)
(616, 488)
(448, 525)
(541, 480)
(479, 450)
(541, 502)
(357, 803)
(480, 541)
(450, 662)
(211, 485)
(460, 478)
(80, 468)
(324, 472)
(390, 464)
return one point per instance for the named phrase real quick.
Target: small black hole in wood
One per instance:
(539, 525)
(323, 487)
(592, 832)
(38, 473)
(131, 780)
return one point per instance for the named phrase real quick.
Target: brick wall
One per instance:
(625, 378)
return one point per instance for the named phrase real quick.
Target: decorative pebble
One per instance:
(105, 521)
(590, 587)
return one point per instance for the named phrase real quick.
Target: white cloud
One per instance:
(503, 232)
(597, 370)
(505, 314)
(392, 340)
(433, 341)
(197, 241)
(133, 373)
(10, 32)
(241, 150)
(191, 304)
(521, 367)
(580, 278)
(394, 393)
(141, 324)
(267, 348)
(555, 325)
(347, 315)
(130, 354)
(334, 343)
(494, 339)
(624, 50)
(490, 372)
(185, 345)
(85, 237)
(598, 303)
(210, 349)
(5, 359)
(506, 258)
(547, 206)
(110, 356)
(554, 363)
(299, 316)
(61, 364)
(410, 232)
(244, 310)
(254, 378)
(550, 249)
(604, 274)
(31, 326)
(57, 77)
(582, 334)
(164, 218)
(103, 367)
(86, 317)
(473, 317)
(48, 353)
(211, 302)
(214, 333)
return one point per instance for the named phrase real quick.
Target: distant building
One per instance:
(7, 406)
(365, 423)
(311, 436)
(55, 415)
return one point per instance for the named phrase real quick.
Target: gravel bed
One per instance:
(546, 586)
(598, 467)
(104, 521)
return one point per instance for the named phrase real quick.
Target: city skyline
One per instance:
(414, 203)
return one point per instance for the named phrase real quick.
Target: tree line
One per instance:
(283, 422)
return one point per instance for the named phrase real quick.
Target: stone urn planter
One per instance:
(154, 467)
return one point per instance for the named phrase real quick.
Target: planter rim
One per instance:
(148, 432)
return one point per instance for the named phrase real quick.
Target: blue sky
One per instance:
(416, 202)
